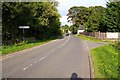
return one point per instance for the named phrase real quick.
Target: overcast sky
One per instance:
(65, 5)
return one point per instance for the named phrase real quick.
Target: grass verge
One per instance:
(89, 38)
(23, 45)
(105, 61)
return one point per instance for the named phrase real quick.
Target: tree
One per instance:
(111, 17)
(78, 15)
(73, 29)
(42, 17)
(65, 28)
(96, 18)
(95, 15)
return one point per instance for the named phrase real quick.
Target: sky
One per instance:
(65, 5)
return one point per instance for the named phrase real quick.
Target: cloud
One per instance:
(63, 20)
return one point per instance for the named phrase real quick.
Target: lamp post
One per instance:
(24, 27)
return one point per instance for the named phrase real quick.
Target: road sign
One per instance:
(24, 27)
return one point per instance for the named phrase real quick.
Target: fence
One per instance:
(103, 35)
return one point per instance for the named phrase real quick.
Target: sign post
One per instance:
(24, 27)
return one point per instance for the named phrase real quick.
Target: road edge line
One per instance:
(25, 50)
(90, 62)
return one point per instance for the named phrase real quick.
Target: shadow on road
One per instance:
(74, 76)
(61, 37)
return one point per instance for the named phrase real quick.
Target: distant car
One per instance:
(67, 34)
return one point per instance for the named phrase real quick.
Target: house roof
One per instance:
(81, 27)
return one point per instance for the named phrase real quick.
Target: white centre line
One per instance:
(65, 42)
(30, 64)
(35, 62)
(25, 68)
(46, 55)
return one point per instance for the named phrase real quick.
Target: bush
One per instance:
(117, 44)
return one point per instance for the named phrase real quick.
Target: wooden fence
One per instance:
(103, 35)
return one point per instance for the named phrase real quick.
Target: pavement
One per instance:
(57, 59)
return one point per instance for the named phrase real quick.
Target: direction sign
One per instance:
(24, 27)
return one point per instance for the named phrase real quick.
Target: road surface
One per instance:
(57, 59)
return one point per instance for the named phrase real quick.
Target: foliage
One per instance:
(111, 17)
(89, 38)
(93, 21)
(73, 29)
(23, 45)
(77, 15)
(117, 44)
(96, 18)
(42, 17)
(105, 61)
(65, 28)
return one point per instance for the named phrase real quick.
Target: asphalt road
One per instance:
(57, 59)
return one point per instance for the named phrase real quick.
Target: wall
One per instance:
(103, 35)
(112, 35)
(80, 31)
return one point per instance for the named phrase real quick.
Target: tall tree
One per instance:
(42, 17)
(97, 18)
(95, 15)
(78, 15)
(111, 17)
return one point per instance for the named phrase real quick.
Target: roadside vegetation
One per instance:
(42, 18)
(23, 45)
(88, 38)
(105, 60)
(96, 18)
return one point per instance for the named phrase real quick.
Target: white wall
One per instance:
(112, 34)
(80, 31)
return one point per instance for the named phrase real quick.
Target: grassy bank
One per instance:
(88, 38)
(105, 61)
(21, 46)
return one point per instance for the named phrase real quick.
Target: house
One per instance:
(81, 29)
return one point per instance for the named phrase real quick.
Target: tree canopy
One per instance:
(42, 17)
(96, 18)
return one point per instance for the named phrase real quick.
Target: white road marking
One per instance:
(23, 51)
(46, 55)
(65, 42)
(35, 62)
(90, 63)
(25, 68)
(30, 64)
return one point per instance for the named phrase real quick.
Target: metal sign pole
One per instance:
(24, 27)
(23, 34)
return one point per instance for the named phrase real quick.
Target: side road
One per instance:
(90, 45)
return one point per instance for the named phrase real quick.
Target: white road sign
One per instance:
(24, 27)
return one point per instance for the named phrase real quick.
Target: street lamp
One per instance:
(23, 27)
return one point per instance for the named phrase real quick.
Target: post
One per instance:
(99, 34)
(24, 27)
(23, 35)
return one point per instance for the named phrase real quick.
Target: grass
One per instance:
(21, 46)
(89, 38)
(105, 61)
